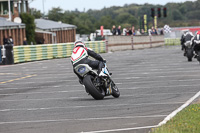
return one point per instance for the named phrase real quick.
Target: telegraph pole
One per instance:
(9, 11)
(43, 8)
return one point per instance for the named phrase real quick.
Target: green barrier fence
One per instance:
(50, 51)
(172, 41)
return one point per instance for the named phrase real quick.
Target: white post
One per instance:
(9, 11)
(3, 52)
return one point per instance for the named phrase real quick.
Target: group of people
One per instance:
(193, 40)
(116, 31)
(126, 31)
(9, 41)
(132, 31)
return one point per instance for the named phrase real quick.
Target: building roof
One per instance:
(4, 24)
(43, 24)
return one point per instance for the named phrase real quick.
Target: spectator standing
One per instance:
(5, 40)
(119, 30)
(124, 31)
(142, 32)
(133, 30)
(130, 32)
(161, 32)
(25, 41)
(153, 31)
(10, 41)
(138, 32)
(114, 31)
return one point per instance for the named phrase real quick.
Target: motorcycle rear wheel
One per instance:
(95, 92)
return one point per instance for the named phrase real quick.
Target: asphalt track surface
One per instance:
(46, 97)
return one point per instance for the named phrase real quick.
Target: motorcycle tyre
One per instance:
(198, 57)
(115, 93)
(189, 54)
(96, 94)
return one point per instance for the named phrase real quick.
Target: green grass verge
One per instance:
(186, 121)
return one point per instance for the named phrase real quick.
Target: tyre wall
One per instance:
(51, 51)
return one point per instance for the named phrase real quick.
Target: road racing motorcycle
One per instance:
(97, 86)
(189, 50)
(197, 50)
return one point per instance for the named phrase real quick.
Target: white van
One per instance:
(105, 32)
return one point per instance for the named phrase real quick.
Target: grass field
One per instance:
(186, 121)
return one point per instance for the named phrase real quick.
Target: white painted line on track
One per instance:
(133, 88)
(171, 86)
(54, 77)
(31, 87)
(82, 119)
(48, 92)
(36, 82)
(153, 68)
(91, 106)
(149, 77)
(178, 80)
(120, 130)
(54, 92)
(150, 73)
(179, 109)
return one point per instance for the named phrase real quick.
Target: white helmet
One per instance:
(79, 43)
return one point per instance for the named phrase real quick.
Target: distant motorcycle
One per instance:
(198, 56)
(97, 87)
(189, 50)
(197, 51)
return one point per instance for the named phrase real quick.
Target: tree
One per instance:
(56, 14)
(106, 21)
(30, 27)
(126, 18)
(36, 13)
(84, 23)
(177, 15)
(193, 15)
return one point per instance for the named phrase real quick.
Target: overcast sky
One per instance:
(91, 4)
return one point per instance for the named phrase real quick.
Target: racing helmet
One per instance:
(79, 43)
(198, 32)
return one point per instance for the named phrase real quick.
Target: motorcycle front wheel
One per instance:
(96, 92)
(115, 90)
(198, 57)
(189, 54)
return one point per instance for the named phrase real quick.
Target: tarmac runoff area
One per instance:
(46, 97)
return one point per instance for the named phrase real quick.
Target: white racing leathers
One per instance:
(80, 55)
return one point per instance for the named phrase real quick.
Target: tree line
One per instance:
(178, 14)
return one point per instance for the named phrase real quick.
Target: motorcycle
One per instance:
(196, 48)
(97, 86)
(189, 50)
(198, 56)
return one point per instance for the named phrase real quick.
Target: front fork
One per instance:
(107, 85)
(104, 83)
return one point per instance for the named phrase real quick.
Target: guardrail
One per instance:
(50, 51)
(172, 41)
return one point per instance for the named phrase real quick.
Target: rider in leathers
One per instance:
(196, 43)
(186, 37)
(80, 55)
